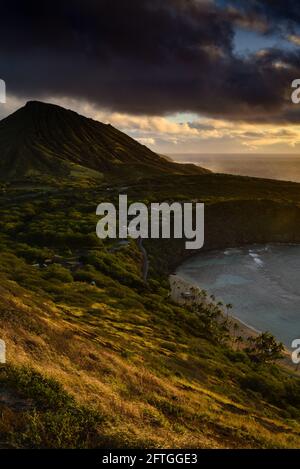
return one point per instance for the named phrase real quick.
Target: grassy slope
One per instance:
(129, 367)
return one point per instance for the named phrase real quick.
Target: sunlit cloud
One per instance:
(168, 132)
(294, 38)
(185, 132)
(11, 105)
(146, 141)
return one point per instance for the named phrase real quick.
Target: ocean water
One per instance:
(262, 283)
(285, 167)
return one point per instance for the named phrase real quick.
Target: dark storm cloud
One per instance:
(278, 15)
(143, 56)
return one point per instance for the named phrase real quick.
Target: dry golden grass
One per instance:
(141, 405)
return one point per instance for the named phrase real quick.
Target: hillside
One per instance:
(99, 358)
(48, 140)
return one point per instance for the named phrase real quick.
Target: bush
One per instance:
(46, 392)
(32, 254)
(56, 420)
(264, 348)
(74, 427)
(278, 392)
(58, 272)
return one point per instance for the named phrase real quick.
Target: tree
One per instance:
(239, 340)
(235, 330)
(264, 348)
(228, 307)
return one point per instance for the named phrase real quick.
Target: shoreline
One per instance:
(179, 286)
(176, 281)
(192, 253)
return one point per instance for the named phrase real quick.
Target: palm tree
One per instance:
(228, 307)
(235, 329)
(239, 340)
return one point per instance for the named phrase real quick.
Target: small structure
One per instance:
(2, 352)
(187, 295)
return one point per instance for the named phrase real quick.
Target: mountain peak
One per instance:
(48, 139)
(34, 103)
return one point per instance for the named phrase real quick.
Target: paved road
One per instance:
(145, 259)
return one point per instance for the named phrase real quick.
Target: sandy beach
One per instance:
(179, 289)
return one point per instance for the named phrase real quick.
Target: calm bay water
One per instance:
(262, 283)
(285, 167)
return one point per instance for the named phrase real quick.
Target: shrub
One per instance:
(58, 272)
(264, 348)
(56, 420)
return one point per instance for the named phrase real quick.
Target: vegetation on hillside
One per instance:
(96, 356)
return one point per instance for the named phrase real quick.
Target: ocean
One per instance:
(262, 283)
(285, 167)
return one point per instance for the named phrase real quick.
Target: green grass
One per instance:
(50, 417)
(101, 358)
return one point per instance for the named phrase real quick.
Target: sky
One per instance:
(180, 76)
